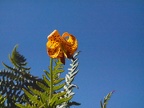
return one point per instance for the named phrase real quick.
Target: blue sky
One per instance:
(110, 35)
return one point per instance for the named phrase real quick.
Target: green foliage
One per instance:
(24, 90)
(13, 79)
(2, 99)
(52, 95)
(106, 99)
(18, 88)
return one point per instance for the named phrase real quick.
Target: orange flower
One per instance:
(61, 47)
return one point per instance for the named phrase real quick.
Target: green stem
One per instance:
(51, 78)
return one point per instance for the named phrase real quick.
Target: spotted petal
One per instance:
(61, 47)
(53, 44)
(70, 44)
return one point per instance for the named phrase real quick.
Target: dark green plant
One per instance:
(2, 99)
(13, 79)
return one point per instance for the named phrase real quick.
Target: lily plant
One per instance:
(20, 89)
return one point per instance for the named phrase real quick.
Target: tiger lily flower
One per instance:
(61, 47)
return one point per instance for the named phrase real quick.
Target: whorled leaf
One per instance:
(41, 98)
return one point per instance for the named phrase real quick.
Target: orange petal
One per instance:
(70, 44)
(53, 44)
(54, 36)
(61, 47)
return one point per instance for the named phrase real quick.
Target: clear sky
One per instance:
(110, 35)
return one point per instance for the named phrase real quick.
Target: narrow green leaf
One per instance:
(44, 97)
(60, 94)
(33, 98)
(46, 80)
(106, 98)
(2, 99)
(52, 101)
(34, 91)
(56, 71)
(56, 98)
(47, 73)
(63, 100)
(7, 66)
(58, 81)
(21, 106)
(42, 106)
(42, 86)
(58, 87)
(13, 61)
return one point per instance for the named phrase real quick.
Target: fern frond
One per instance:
(17, 59)
(13, 79)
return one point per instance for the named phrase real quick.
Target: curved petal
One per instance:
(53, 44)
(53, 52)
(70, 44)
(61, 47)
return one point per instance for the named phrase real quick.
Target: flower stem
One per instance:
(51, 78)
